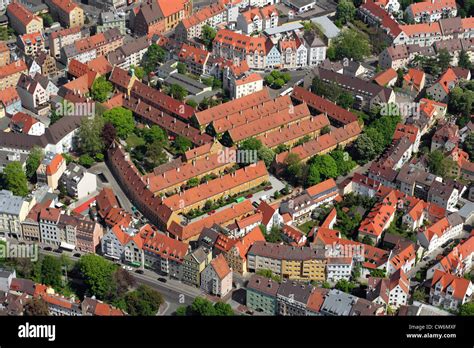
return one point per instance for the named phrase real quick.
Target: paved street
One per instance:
(101, 168)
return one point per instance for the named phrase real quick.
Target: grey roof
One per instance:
(286, 252)
(119, 55)
(200, 254)
(338, 303)
(330, 30)
(313, 40)
(466, 211)
(7, 156)
(72, 171)
(192, 86)
(455, 219)
(9, 203)
(52, 135)
(208, 237)
(300, 3)
(364, 307)
(263, 285)
(283, 28)
(298, 292)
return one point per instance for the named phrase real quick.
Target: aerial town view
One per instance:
(243, 158)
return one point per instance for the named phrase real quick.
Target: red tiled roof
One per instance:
(21, 13)
(220, 266)
(458, 285)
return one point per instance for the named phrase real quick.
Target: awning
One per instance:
(67, 246)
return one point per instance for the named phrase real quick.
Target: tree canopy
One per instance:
(15, 179)
(121, 119)
(101, 89)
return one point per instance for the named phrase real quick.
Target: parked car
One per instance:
(255, 204)
(249, 196)
(163, 280)
(59, 251)
(268, 188)
(139, 271)
(48, 248)
(77, 255)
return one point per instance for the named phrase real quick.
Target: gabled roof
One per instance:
(458, 285)
(220, 266)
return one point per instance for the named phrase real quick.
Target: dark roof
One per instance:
(263, 285)
(299, 292)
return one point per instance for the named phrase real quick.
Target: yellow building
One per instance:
(286, 261)
(10, 74)
(22, 20)
(67, 12)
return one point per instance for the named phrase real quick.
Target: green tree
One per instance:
(464, 61)
(51, 271)
(182, 144)
(367, 240)
(314, 176)
(223, 309)
(139, 71)
(466, 309)
(15, 179)
(155, 154)
(438, 164)
(144, 301)
(252, 144)
(325, 130)
(47, 19)
(419, 295)
(377, 273)
(444, 59)
(86, 160)
(208, 35)
(121, 119)
(345, 11)
(202, 307)
(266, 155)
(469, 144)
(155, 133)
(155, 54)
(364, 148)
(182, 68)
(377, 139)
(326, 166)
(101, 89)
(34, 160)
(345, 286)
(343, 161)
(345, 100)
(98, 275)
(178, 92)
(351, 44)
(90, 135)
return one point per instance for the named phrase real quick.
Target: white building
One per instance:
(449, 291)
(440, 232)
(13, 210)
(245, 85)
(257, 19)
(216, 279)
(78, 181)
(49, 226)
(338, 268)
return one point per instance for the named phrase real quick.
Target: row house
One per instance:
(316, 48)
(298, 263)
(367, 95)
(431, 11)
(67, 12)
(89, 48)
(442, 231)
(64, 37)
(449, 291)
(216, 278)
(446, 137)
(22, 20)
(398, 56)
(13, 210)
(227, 185)
(236, 251)
(44, 64)
(301, 207)
(212, 16)
(194, 264)
(130, 54)
(257, 19)
(338, 268)
(10, 74)
(261, 295)
(10, 102)
(270, 215)
(458, 262)
(239, 47)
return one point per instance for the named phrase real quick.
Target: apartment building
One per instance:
(431, 11)
(298, 263)
(195, 58)
(77, 181)
(67, 12)
(449, 291)
(4, 54)
(31, 44)
(50, 170)
(13, 210)
(216, 279)
(61, 38)
(442, 231)
(194, 264)
(257, 19)
(22, 20)
(10, 74)
(49, 226)
(261, 295)
(129, 54)
(26, 124)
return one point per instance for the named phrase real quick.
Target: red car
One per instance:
(267, 188)
(249, 196)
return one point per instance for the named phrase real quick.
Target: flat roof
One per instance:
(330, 30)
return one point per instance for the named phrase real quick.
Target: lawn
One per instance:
(307, 226)
(134, 140)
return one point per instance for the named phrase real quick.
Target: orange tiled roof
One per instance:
(216, 186)
(8, 96)
(24, 121)
(220, 266)
(458, 285)
(21, 13)
(414, 77)
(254, 77)
(65, 5)
(384, 77)
(13, 68)
(169, 8)
(54, 165)
(431, 6)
